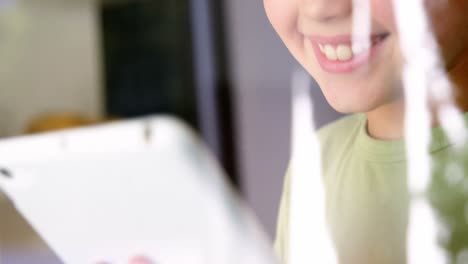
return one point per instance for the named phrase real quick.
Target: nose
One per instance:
(326, 11)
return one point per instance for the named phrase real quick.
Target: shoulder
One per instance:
(337, 138)
(340, 129)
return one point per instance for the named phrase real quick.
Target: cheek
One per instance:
(383, 13)
(283, 16)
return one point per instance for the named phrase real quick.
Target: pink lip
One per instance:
(342, 67)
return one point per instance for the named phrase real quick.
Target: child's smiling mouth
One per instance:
(338, 54)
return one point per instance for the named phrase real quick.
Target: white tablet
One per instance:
(146, 187)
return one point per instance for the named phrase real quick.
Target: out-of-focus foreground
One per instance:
(216, 64)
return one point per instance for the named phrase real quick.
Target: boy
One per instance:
(364, 163)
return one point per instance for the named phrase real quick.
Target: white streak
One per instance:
(450, 117)
(362, 29)
(451, 120)
(309, 241)
(423, 246)
(422, 63)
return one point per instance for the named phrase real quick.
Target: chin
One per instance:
(352, 95)
(358, 101)
(352, 107)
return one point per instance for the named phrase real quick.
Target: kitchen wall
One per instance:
(50, 60)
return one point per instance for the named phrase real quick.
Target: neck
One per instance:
(387, 121)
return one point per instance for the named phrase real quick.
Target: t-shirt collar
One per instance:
(394, 150)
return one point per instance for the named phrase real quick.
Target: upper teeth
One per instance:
(343, 52)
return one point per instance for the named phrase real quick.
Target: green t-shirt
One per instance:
(367, 198)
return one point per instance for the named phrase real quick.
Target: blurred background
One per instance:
(217, 64)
